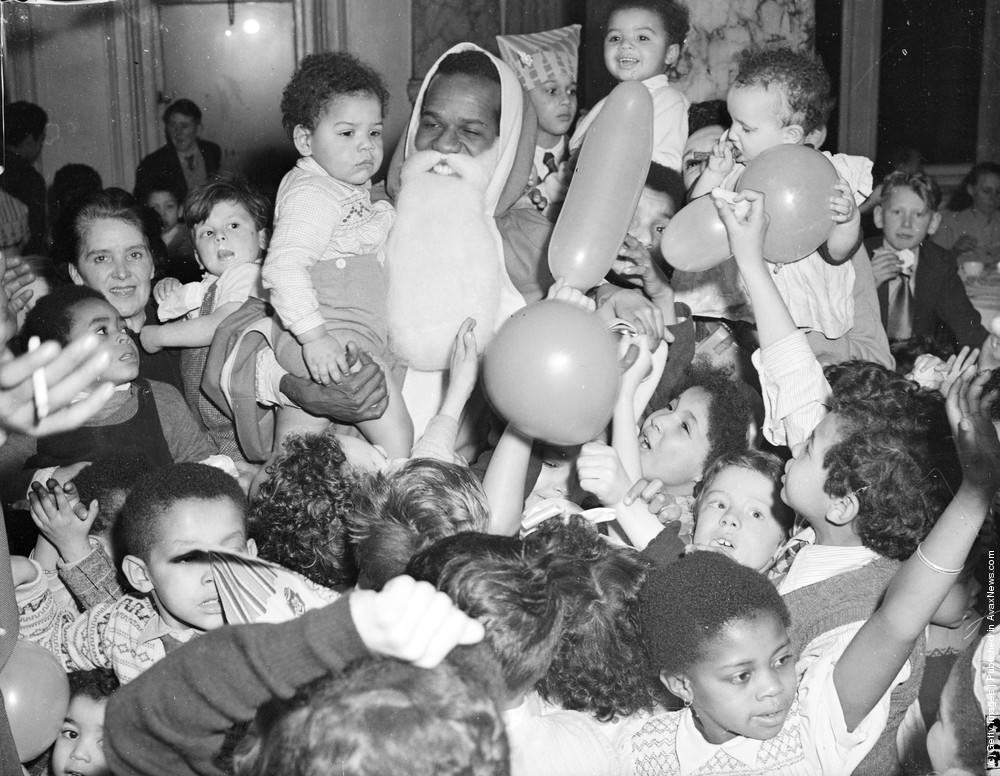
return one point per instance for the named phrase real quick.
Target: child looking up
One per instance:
(170, 517)
(228, 220)
(79, 750)
(643, 39)
(546, 65)
(782, 96)
(919, 289)
(142, 416)
(325, 268)
(718, 635)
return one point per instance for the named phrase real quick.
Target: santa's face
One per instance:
(460, 115)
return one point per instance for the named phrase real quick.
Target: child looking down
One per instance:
(325, 265)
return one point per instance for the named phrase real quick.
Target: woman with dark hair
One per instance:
(111, 245)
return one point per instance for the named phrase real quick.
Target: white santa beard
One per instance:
(444, 266)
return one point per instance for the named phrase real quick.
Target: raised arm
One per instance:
(876, 654)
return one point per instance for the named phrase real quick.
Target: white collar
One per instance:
(694, 752)
(818, 562)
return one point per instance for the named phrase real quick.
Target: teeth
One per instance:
(441, 168)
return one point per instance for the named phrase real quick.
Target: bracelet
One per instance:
(933, 566)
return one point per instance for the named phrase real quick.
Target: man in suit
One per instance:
(919, 289)
(185, 161)
(24, 138)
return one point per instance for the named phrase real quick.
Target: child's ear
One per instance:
(74, 275)
(302, 138)
(793, 134)
(672, 55)
(879, 222)
(262, 239)
(843, 510)
(679, 685)
(136, 573)
(251, 548)
(934, 224)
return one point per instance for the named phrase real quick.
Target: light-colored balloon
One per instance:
(695, 238)
(36, 695)
(552, 372)
(797, 182)
(602, 197)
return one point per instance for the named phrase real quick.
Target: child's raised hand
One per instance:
(326, 359)
(636, 265)
(411, 621)
(163, 289)
(640, 368)
(955, 366)
(562, 291)
(600, 472)
(657, 500)
(464, 365)
(62, 518)
(975, 437)
(721, 160)
(745, 224)
(843, 208)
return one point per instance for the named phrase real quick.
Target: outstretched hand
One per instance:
(975, 437)
(62, 518)
(68, 371)
(411, 621)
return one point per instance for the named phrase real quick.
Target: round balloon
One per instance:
(602, 197)
(36, 696)
(552, 371)
(695, 238)
(797, 182)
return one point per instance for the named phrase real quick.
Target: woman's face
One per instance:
(985, 192)
(114, 259)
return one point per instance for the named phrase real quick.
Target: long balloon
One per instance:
(602, 197)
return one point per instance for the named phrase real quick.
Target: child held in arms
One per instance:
(642, 41)
(783, 97)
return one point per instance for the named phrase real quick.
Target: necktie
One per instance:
(549, 160)
(190, 162)
(900, 319)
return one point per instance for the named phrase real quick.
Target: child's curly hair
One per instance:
(52, 316)
(729, 411)
(299, 518)
(320, 79)
(600, 666)
(685, 605)
(381, 717)
(675, 17)
(395, 515)
(800, 79)
(97, 684)
(896, 494)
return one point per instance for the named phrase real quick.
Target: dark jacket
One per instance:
(939, 298)
(163, 167)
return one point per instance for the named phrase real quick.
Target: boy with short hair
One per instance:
(228, 221)
(643, 40)
(919, 290)
(171, 516)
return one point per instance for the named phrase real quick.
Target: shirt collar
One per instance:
(157, 628)
(309, 164)
(694, 752)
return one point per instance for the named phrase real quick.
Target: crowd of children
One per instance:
(254, 551)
